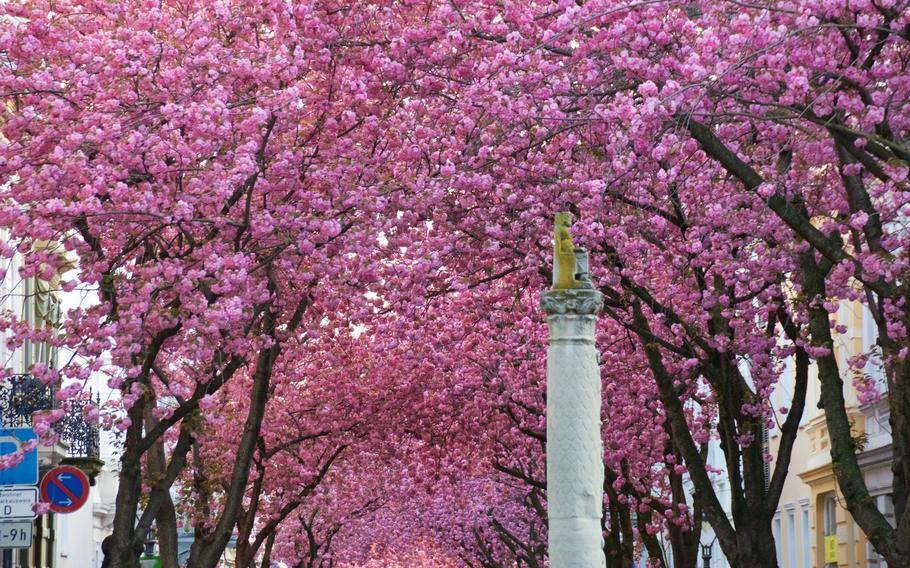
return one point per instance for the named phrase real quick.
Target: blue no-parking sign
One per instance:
(26, 471)
(65, 488)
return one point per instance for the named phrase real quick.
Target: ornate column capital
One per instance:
(576, 301)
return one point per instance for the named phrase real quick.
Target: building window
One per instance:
(766, 451)
(44, 312)
(807, 562)
(777, 537)
(829, 544)
(791, 539)
(874, 368)
(885, 504)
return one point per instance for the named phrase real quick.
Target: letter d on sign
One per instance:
(7, 510)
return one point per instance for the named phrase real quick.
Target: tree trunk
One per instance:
(267, 553)
(899, 420)
(755, 547)
(749, 541)
(123, 549)
(166, 517)
(166, 521)
(206, 552)
(619, 543)
(892, 544)
(684, 543)
(844, 461)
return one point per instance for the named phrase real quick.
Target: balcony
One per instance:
(23, 395)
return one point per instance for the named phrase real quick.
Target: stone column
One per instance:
(575, 470)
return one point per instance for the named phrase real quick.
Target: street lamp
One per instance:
(149, 547)
(706, 553)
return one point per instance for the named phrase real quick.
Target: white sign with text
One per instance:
(16, 535)
(16, 503)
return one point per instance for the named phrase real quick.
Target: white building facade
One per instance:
(71, 540)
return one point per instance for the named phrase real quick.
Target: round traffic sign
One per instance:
(65, 488)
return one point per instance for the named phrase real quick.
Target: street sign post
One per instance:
(16, 535)
(26, 471)
(65, 488)
(16, 503)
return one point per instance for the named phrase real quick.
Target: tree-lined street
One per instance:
(310, 241)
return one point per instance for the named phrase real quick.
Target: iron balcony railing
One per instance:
(23, 395)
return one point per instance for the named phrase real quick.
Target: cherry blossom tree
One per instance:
(647, 106)
(693, 287)
(216, 171)
(796, 112)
